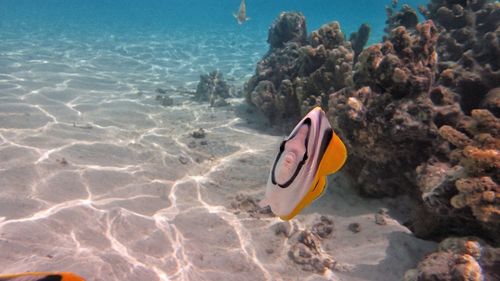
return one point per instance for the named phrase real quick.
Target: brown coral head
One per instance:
(455, 137)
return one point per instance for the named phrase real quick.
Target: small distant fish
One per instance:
(298, 175)
(241, 15)
(41, 276)
(394, 4)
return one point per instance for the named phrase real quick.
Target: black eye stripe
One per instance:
(327, 138)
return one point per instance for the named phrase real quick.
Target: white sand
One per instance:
(109, 198)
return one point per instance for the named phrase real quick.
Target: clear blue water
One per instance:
(205, 30)
(124, 16)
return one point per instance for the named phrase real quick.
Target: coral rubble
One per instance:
(419, 111)
(306, 248)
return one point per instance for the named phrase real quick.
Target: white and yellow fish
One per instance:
(298, 175)
(241, 15)
(41, 276)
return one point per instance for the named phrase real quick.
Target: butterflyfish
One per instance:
(241, 15)
(305, 158)
(41, 276)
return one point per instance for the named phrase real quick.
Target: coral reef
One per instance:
(419, 111)
(289, 27)
(297, 74)
(387, 121)
(359, 39)
(465, 258)
(213, 88)
(465, 192)
(406, 17)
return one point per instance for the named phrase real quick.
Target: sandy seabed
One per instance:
(98, 179)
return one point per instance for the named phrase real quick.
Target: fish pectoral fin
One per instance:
(334, 157)
(247, 18)
(235, 15)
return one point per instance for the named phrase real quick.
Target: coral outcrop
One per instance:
(387, 122)
(419, 112)
(359, 39)
(465, 192)
(213, 88)
(290, 27)
(297, 74)
(406, 17)
(465, 258)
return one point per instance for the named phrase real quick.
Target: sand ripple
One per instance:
(102, 181)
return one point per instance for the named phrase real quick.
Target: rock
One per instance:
(307, 252)
(310, 240)
(63, 161)
(218, 102)
(249, 205)
(282, 228)
(165, 100)
(354, 227)
(160, 91)
(184, 160)
(198, 134)
(324, 228)
(380, 217)
(191, 144)
(300, 253)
